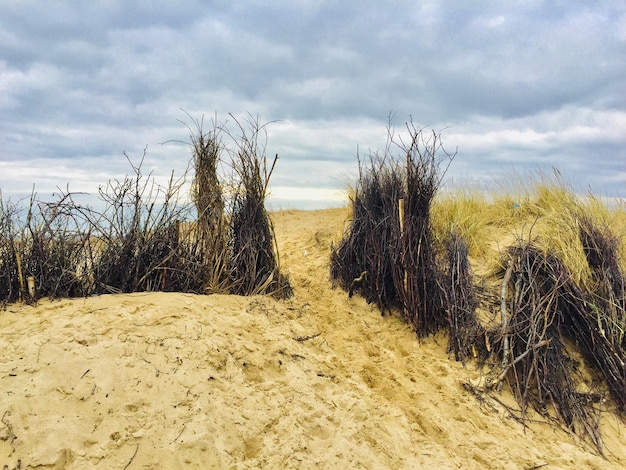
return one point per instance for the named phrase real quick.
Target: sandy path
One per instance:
(319, 381)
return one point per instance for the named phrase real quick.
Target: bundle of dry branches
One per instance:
(599, 328)
(388, 254)
(466, 333)
(421, 294)
(255, 263)
(9, 253)
(210, 230)
(367, 260)
(608, 283)
(540, 297)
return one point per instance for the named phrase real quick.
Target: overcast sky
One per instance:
(515, 86)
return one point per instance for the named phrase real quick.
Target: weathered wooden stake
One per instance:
(31, 287)
(18, 258)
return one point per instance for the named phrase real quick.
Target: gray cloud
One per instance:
(516, 85)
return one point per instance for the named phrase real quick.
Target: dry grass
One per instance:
(546, 212)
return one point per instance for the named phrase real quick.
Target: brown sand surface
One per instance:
(167, 381)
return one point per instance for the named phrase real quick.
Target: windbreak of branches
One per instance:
(542, 308)
(43, 247)
(599, 329)
(137, 241)
(255, 264)
(70, 250)
(466, 332)
(539, 300)
(388, 254)
(422, 297)
(146, 238)
(368, 260)
(208, 197)
(52, 246)
(608, 283)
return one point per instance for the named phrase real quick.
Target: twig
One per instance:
(535, 467)
(540, 344)
(41, 346)
(180, 433)
(503, 312)
(132, 458)
(10, 434)
(301, 339)
(18, 259)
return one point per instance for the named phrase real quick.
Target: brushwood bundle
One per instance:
(149, 237)
(540, 300)
(388, 254)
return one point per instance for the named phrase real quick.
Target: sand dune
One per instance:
(318, 381)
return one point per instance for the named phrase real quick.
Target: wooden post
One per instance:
(31, 287)
(401, 215)
(18, 258)
(405, 281)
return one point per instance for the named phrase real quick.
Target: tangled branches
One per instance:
(388, 253)
(145, 238)
(542, 299)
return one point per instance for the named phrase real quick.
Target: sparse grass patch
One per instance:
(466, 214)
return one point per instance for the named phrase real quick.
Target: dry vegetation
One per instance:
(388, 254)
(529, 284)
(551, 271)
(143, 238)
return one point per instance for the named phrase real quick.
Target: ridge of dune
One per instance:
(168, 380)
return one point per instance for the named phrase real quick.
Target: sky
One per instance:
(513, 86)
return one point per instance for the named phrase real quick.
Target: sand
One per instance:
(160, 380)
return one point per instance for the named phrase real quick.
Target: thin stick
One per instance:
(401, 215)
(503, 313)
(541, 343)
(405, 279)
(180, 433)
(132, 458)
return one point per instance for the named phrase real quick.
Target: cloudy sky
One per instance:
(515, 86)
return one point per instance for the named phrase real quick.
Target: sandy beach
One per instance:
(168, 380)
